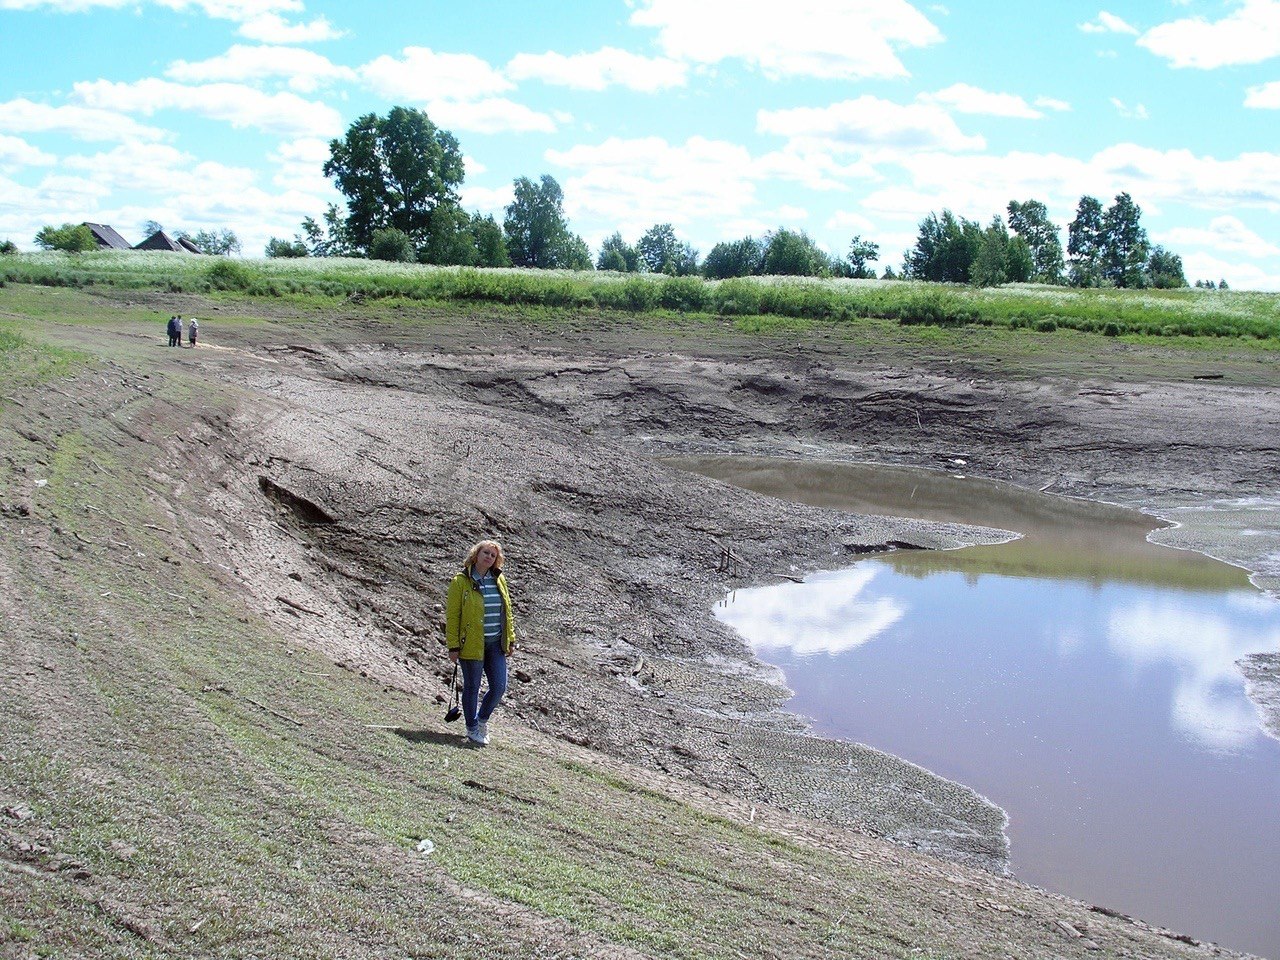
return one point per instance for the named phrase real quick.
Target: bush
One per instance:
(392, 245)
(686, 294)
(229, 275)
(8, 248)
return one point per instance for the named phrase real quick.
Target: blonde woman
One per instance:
(480, 633)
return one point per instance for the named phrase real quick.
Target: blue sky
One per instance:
(723, 117)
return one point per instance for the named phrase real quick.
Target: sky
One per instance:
(722, 117)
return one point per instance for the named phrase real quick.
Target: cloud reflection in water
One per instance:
(825, 614)
(1208, 701)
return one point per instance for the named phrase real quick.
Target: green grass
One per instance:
(760, 303)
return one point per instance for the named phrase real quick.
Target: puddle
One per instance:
(1080, 677)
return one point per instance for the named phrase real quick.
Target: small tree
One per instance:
(490, 243)
(1164, 270)
(219, 243)
(789, 253)
(661, 251)
(1222, 285)
(388, 243)
(862, 253)
(70, 237)
(276, 247)
(150, 228)
(944, 250)
(1125, 248)
(537, 231)
(8, 248)
(989, 267)
(737, 258)
(617, 254)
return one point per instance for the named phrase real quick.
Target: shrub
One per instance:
(686, 294)
(393, 245)
(229, 275)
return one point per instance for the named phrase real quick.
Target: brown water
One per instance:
(1080, 677)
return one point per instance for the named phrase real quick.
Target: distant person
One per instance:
(193, 328)
(178, 320)
(480, 634)
(173, 331)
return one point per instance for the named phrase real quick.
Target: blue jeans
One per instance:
(493, 666)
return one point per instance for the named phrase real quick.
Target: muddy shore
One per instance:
(382, 449)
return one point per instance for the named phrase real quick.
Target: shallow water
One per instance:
(1081, 678)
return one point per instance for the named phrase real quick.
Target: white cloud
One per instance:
(16, 152)
(964, 98)
(1265, 97)
(1225, 234)
(811, 167)
(487, 199)
(492, 115)
(869, 123)
(596, 71)
(1049, 103)
(421, 75)
(632, 184)
(1135, 112)
(282, 113)
(304, 70)
(272, 28)
(844, 39)
(83, 123)
(1198, 265)
(300, 166)
(1108, 23)
(1250, 34)
(850, 221)
(259, 19)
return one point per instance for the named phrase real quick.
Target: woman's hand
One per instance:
(453, 656)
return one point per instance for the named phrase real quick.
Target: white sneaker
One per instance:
(484, 731)
(476, 735)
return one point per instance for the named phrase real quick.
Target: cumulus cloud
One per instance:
(1225, 234)
(1108, 23)
(596, 71)
(964, 98)
(16, 152)
(631, 184)
(83, 123)
(1264, 97)
(1049, 103)
(421, 75)
(303, 70)
(1249, 34)
(272, 28)
(492, 200)
(282, 113)
(838, 39)
(870, 123)
(299, 165)
(491, 115)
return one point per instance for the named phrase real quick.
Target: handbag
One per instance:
(455, 704)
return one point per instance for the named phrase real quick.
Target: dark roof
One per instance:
(189, 246)
(161, 241)
(107, 237)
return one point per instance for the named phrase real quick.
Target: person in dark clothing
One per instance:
(173, 331)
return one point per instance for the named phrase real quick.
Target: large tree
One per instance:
(1084, 243)
(398, 172)
(1030, 221)
(1164, 270)
(791, 253)
(1125, 248)
(537, 232)
(218, 242)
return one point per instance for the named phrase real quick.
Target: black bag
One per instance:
(455, 704)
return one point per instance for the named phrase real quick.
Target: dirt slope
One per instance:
(219, 572)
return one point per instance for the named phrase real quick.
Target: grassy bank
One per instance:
(1186, 312)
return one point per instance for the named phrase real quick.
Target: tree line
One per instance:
(401, 175)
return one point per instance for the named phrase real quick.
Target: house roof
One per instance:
(107, 237)
(161, 241)
(189, 246)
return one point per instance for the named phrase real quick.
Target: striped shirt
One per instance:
(488, 585)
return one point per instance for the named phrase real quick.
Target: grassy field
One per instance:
(1163, 313)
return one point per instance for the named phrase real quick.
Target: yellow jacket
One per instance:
(464, 617)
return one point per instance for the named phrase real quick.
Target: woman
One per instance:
(480, 633)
